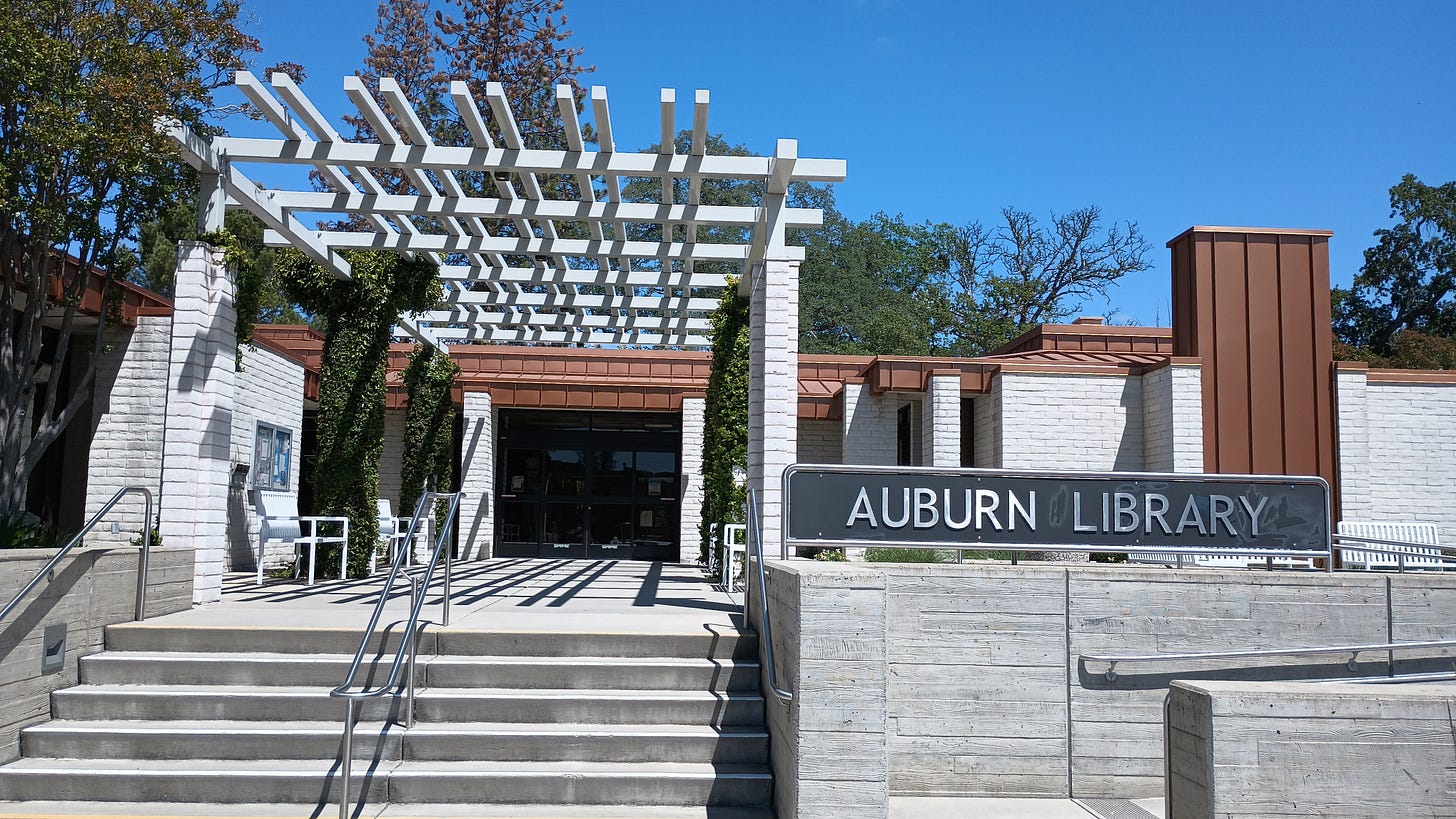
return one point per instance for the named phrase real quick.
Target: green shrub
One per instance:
(22, 530)
(830, 555)
(896, 555)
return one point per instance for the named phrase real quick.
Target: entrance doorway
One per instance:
(598, 485)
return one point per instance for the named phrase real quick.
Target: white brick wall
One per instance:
(986, 427)
(129, 414)
(1408, 469)
(391, 459)
(196, 459)
(869, 426)
(941, 422)
(821, 441)
(773, 386)
(269, 390)
(1071, 421)
(1173, 419)
(1353, 425)
(477, 477)
(690, 517)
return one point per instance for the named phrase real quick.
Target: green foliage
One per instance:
(358, 313)
(429, 427)
(82, 87)
(22, 530)
(1409, 350)
(1408, 281)
(725, 421)
(895, 555)
(830, 555)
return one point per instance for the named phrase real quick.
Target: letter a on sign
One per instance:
(863, 510)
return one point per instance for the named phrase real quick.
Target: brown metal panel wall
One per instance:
(1254, 307)
(1266, 369)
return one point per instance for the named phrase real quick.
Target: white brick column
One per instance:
(773, 389)
(690, 516)
(1353, 425)
(1187, 414)
(477, 477)
(869, 427)
(941, 420)
(196, 457)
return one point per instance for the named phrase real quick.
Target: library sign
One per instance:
(935, 507)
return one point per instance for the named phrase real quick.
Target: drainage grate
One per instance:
(1115, 809)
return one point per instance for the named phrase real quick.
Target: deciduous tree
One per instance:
(1408, 281)
(82, 85)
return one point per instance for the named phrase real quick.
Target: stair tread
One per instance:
(148, 810)
(482, 659)
(158, 689)
(317, 767)
(334, 728)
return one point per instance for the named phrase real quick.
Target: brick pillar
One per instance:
(1352, 419)
(941, 420)
(690, 518)
(477, 478)
(196, 460)
(773, 389)
(869, 427)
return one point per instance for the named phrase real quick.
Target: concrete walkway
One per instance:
(503, 594)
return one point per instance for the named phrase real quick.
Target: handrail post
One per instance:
(145, 559)
(347, 758)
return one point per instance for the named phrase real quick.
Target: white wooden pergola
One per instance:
(524, 265)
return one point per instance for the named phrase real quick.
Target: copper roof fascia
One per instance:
(1250, 230)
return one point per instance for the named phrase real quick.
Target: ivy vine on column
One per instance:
(429, 428)
(725, 420)
(357, 315)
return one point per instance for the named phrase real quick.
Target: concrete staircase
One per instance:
(506, 724)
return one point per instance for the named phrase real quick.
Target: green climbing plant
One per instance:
(725, 421)
(248, 281)
(429, 427)
(357, 314)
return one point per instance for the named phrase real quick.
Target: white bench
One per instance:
(278, 519)
(1425, 556)
(1248, 560)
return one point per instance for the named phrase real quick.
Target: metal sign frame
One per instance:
(1327, 553)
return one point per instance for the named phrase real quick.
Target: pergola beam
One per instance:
(576, 301)
(499, 335)
(637, 278)
(451, 158)
(513, 246)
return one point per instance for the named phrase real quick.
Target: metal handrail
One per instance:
(755, 528)
(146, 555)
(1353, 650)
(419, 588)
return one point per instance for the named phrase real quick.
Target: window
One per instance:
(272, 455)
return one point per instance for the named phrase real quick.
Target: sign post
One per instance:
(1256, 515)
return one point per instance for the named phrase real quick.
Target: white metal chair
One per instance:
(278, 519)
(735, 553)
(1415, 557)
(392, 532)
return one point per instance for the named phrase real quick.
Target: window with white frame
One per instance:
(272, 455)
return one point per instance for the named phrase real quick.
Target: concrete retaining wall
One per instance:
(1289, 749)
(92, 588)
(984, 692)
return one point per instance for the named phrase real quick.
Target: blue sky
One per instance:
(1281, 114)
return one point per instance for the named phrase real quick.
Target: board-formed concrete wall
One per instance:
(1297, 749)
(1397, 447)
(984, 691)
(92, 588)
(270, 391)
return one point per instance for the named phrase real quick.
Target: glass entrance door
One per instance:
(588, 488)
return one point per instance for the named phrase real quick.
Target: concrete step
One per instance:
(486, 742)
(722, 644)
(328, 670)
(193, 780)
(309, 781)
(262, 703)
(528, 742)
(206, 739)
(441, 705)
(581, 783)
(188, 668)
(624, 673)
(50, 809)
